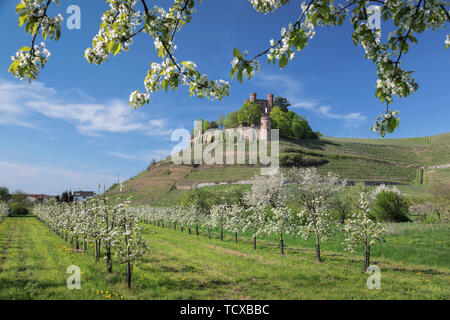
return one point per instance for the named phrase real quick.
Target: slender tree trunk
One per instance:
(129, 274)
(77, 243)
(65, 236)
(97, 253)
(254, 242)
(71, 238)
(108, 257)
(182, 228)
(175, 226)
(366, 255)
(189, 230)
(84, 244)
(128, 267)
(196, 230)
(221, 234)
(318, 247)
(281, 243)
(209, 233)
(235, 237)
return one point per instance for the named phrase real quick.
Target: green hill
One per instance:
(396, 161)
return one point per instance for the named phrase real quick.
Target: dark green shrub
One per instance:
(18, 209)
(297, 160)
(391, 207)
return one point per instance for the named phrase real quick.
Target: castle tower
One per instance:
(265, 127)
(270, 101)
(265, 122)
(266, 108)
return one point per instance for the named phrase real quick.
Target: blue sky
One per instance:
(73, 128)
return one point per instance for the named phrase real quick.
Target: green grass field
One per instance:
(34, 260)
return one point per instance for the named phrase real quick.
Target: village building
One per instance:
(39, 197)
(83, 195)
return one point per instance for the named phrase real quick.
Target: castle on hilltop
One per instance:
(261, 132)
(266, 107)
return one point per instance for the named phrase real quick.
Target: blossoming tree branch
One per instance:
(127, 18)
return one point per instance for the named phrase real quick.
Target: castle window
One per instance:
(266, 110)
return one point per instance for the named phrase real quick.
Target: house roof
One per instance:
(83, 193)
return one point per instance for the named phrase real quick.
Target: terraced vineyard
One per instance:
(372, 160)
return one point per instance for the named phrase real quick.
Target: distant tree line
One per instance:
(66, 196)
(18, 201)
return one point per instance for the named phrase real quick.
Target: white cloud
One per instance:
(292, 90)
(159, 123)
(145, 156)
(19, 102)
(37, 179)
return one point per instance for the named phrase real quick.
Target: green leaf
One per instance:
(233, 72)
(25, 49)
(116, 48)
(283, 61)
(110, 46)
(35, 26)
(22, 20)
(239, 75)
(58, 34)
(13, 67)
(392, 124)
(20, 7)
(237, 53)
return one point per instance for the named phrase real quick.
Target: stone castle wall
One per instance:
(248, 133)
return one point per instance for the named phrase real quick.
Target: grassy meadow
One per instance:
(414, 264)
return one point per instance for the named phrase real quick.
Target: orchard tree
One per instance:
(235, 220)
(314, 192)
(125, 19)
(281, 221)
(3, 211)
(267, 200)
(362, 230)
(96, 206)
(218, 218)
(128, 242)
(199, 202)
(107, 222)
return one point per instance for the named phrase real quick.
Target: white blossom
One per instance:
(3, 211)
